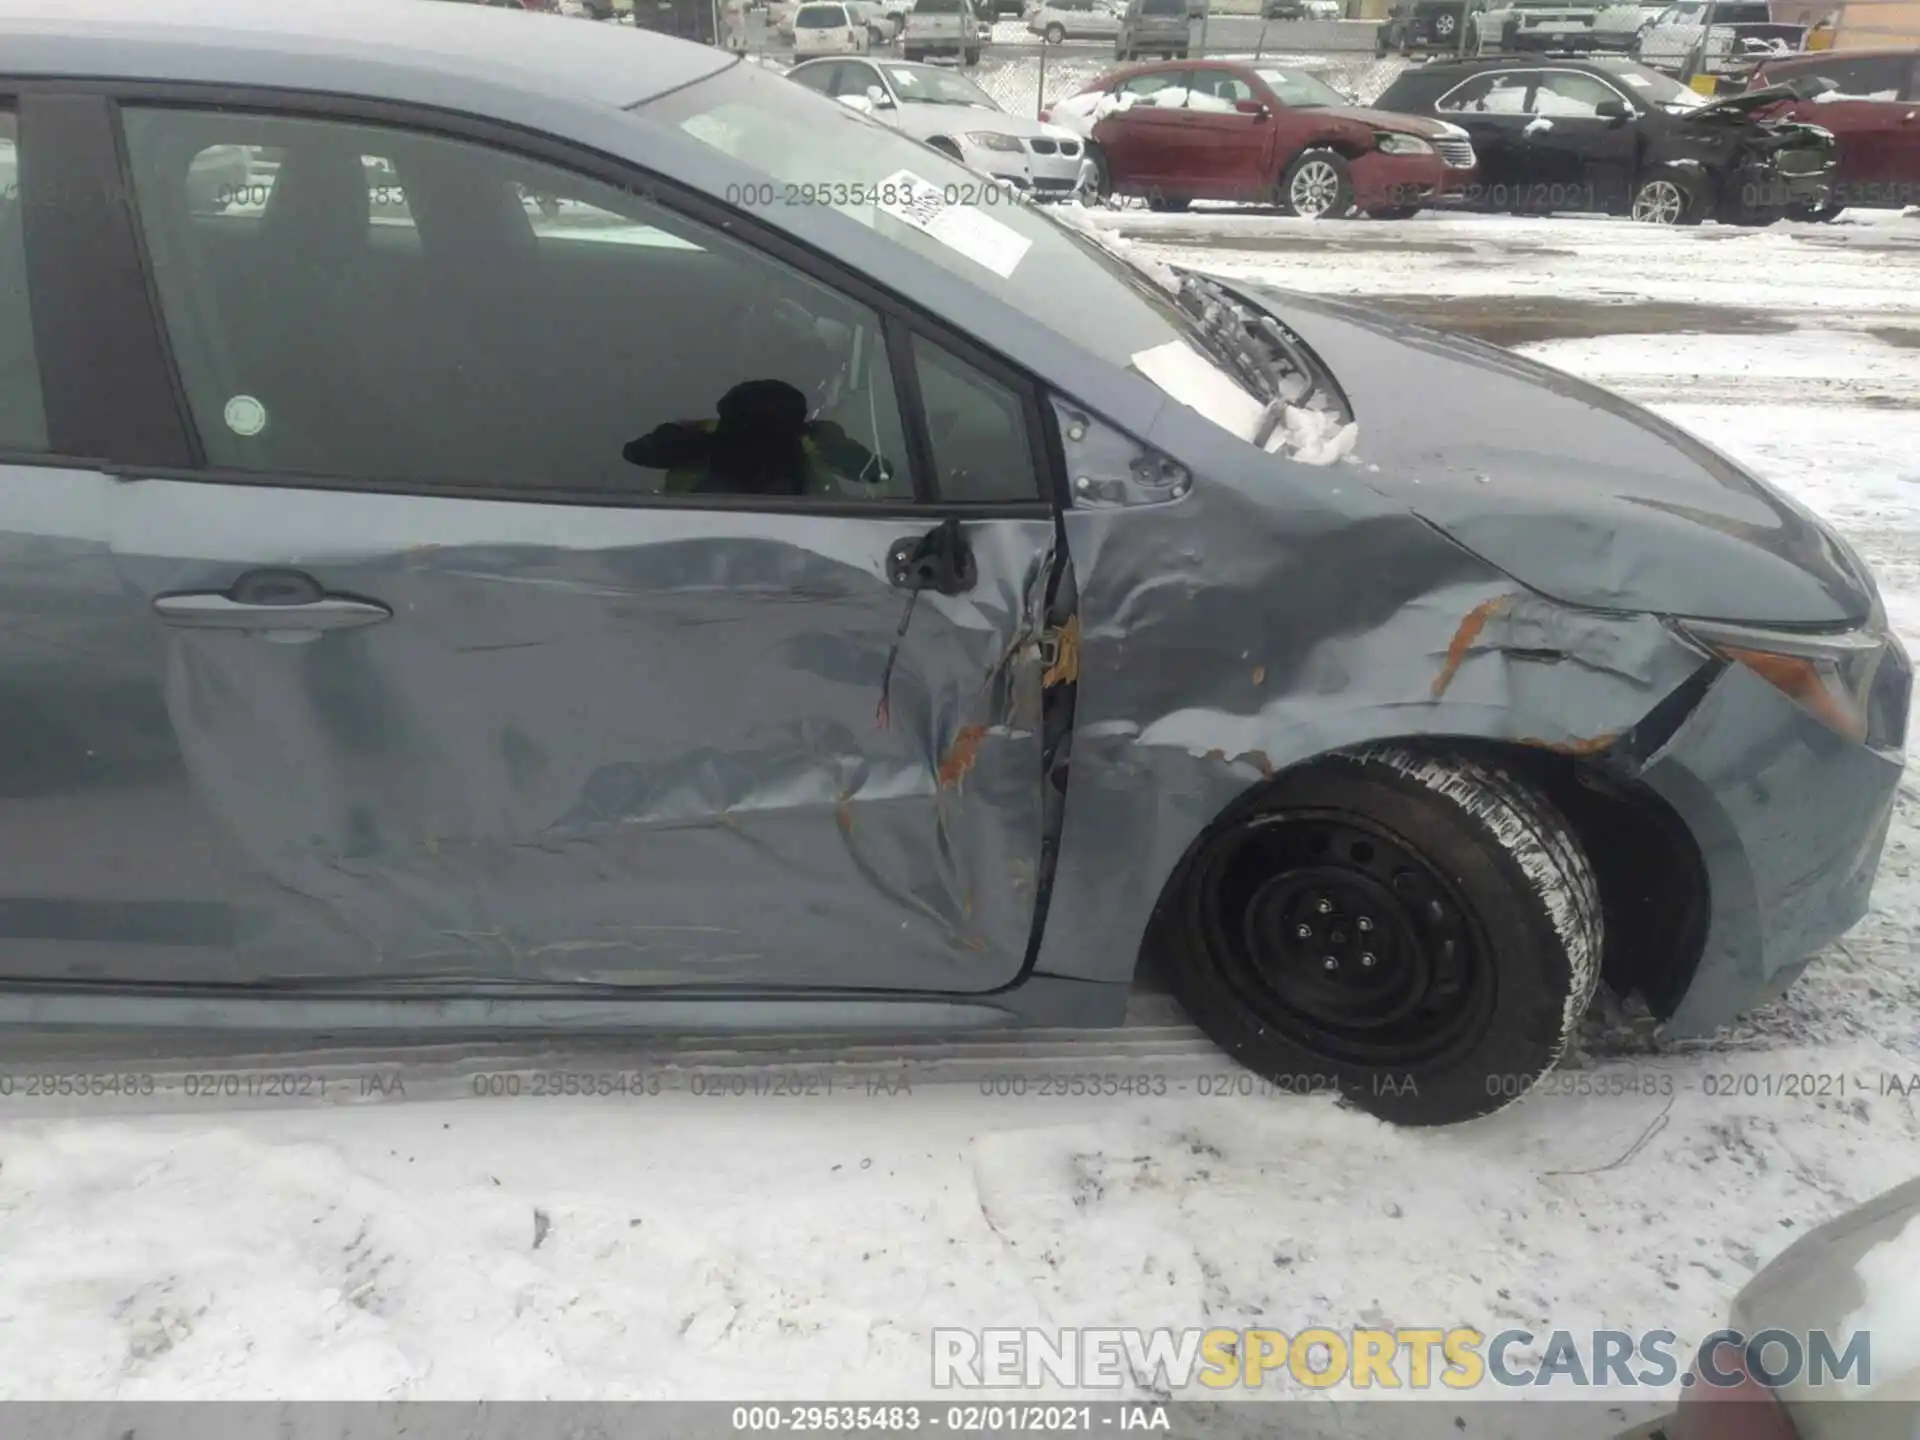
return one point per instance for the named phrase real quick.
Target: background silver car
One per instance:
(953, 114)
(1058, 20)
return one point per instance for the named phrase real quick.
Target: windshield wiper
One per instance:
(1252, 346)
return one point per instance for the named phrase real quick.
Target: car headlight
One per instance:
(1389, 142)
(1831, 676)
(990, 140)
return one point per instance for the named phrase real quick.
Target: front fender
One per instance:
(1269, 617)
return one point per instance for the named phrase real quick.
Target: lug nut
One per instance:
(1331, 963)
(1304, 932)
(1325, 907)
(1367, 962)
(1365, 923)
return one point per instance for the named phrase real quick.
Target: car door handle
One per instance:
(279, 604)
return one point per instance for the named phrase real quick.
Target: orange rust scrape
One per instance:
(961, 755)
(1573, 747)
(1065, 669)
(1463, 638)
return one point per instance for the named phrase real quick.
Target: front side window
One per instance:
(23, 416)
(1562, 92)
(977, 430)
(1219, 85)
(1498, 94)
(407, 309)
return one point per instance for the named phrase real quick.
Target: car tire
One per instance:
(912, 57)
(972, 57)
(1815, 214)
(1667, 197)
(1101, 190)
(1324, 183)
(1482, 935)
(1056, 34)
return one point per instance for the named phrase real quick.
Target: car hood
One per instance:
(1748, 101)
(1571, 490)
(921, 120)
(1855, 1273)
(1421, 125)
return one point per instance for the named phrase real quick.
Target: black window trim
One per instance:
(96, 323)
(670, 195)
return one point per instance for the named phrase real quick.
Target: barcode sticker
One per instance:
(964, 229)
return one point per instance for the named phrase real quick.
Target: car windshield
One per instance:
(821, 17)
(927, 85)
(1297, 90)
(1163, 7)
(1650, 87)
(938, 7)
(1011, 249)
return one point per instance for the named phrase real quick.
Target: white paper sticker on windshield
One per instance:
(904, 77)
(964, 229)
(1195, 381)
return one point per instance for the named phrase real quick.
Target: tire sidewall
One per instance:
(1343, 202)
(1523, 1033)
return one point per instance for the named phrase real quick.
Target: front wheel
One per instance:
(1417, 931)
(1095, 181)
(1056, 34)
(1666, 200)
(1316, 185)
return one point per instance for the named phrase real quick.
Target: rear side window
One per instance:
(23, 418)
(1496, 94)
(939, 7)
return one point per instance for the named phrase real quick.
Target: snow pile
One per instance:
(1119, 246)
(1890, 1276)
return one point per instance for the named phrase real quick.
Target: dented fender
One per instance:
(1226, 638)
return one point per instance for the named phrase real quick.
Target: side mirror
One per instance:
(856, 102)
(1251, 107)
(879, 98)
(1612, 110)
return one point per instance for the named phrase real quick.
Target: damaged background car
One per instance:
(1607, 135)
(822, 595)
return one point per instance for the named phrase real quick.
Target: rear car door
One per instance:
(1577, 158)
(497, 643)
(1142, 143)
(1492, 108)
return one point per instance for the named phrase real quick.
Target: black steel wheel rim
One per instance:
(1345, 938)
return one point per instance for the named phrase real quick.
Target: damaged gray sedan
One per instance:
(671, 554)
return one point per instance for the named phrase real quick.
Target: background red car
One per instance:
(1270, 135)
(1877, 125)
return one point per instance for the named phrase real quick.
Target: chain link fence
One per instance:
(1025, 75)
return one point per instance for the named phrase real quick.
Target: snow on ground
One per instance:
(674, 1245)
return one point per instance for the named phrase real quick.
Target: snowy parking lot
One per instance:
(794, 1219)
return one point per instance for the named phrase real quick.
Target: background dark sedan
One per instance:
(1608, 135)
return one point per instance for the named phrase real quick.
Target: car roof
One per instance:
(353, 46)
